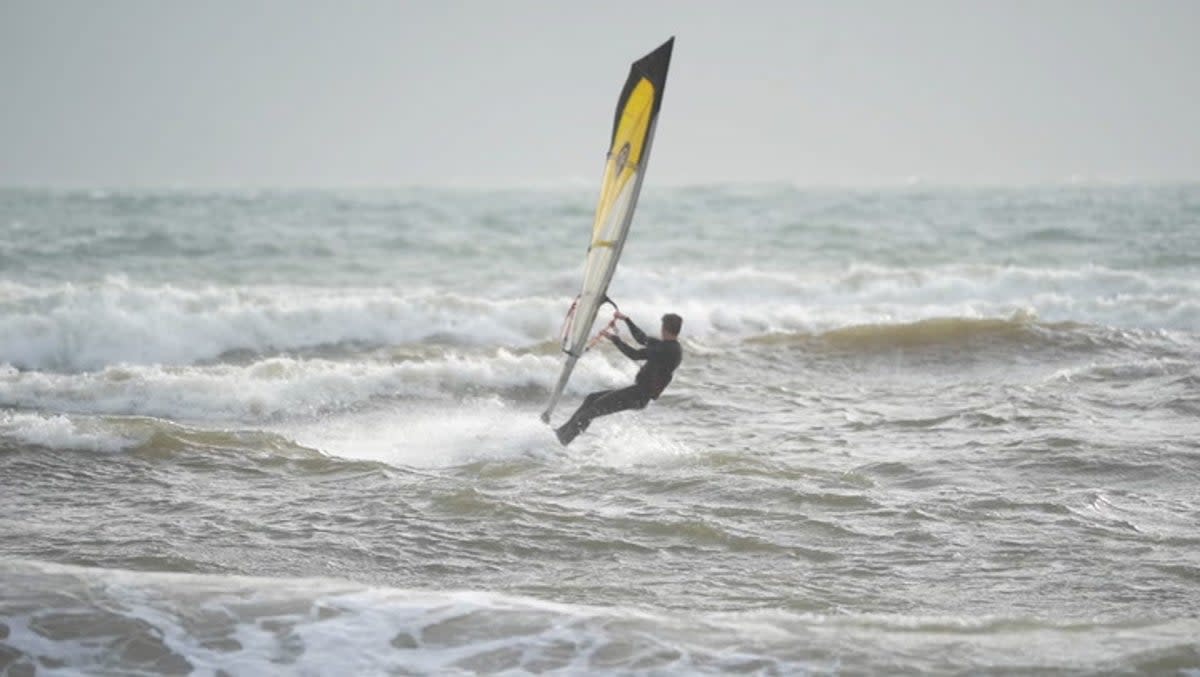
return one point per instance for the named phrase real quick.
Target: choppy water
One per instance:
(920, 430)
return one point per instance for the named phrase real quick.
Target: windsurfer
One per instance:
(662, 356)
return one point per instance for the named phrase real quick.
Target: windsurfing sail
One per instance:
(628, 154)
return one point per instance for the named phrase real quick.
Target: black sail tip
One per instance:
(654, 65)
(654, 68)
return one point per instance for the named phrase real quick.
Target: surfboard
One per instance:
(632, 136)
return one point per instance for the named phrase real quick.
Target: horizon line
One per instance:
(575, 183)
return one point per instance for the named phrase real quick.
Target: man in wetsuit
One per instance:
(661, 355)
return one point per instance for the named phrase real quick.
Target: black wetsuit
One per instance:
(662, 357)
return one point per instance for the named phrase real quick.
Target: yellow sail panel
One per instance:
(625, 155)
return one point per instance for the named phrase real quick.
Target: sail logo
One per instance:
(622, 157)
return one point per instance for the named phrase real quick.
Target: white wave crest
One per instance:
(85, 327)
(62, 432)
(746, 300)
(284, 388)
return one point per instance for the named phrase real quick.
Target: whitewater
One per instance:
(924, 430)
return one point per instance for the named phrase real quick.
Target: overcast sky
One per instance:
(301, 93)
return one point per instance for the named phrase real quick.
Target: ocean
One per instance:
(916, 430)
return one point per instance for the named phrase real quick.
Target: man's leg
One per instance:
(583, 415)
(580, 419)
(601, 404)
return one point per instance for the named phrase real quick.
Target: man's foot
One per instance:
(564, 437)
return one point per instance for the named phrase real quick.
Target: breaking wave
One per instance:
(86, 327)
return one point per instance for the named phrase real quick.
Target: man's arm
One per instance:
(630, 352)
(636, 332)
